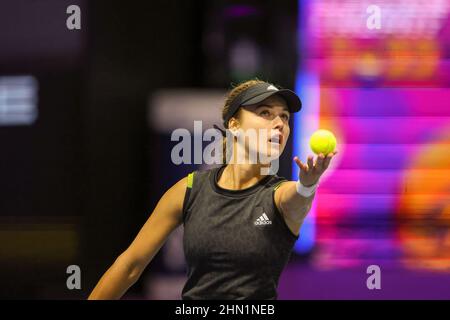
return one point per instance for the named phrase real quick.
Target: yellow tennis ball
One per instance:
(322, 141)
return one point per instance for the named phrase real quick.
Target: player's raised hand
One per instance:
(311, 171)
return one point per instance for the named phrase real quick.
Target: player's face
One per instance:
(272, 116)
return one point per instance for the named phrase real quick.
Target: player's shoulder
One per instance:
(275, 181)
(196, 176)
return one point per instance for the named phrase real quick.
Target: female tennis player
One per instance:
(239, 226)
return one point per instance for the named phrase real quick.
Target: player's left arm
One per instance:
(293, 206)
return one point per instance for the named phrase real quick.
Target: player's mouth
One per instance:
(276, 139)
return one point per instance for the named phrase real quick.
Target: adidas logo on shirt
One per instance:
(262, 220)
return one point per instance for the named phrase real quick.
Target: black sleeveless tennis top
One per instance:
(236, 243)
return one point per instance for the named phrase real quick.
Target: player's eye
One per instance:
(265, 113)
(285, 116)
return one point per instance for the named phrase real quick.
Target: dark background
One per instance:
(78, 183)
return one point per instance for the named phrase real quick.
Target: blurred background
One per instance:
(86, 117)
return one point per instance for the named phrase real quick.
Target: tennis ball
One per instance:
(322, 141)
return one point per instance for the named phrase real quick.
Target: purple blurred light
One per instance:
(238, 11)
